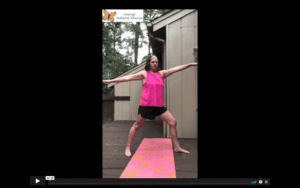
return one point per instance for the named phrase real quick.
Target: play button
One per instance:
(37, 180)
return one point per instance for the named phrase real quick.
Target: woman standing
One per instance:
(151, 103)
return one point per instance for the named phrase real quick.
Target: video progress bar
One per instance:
(142, 181)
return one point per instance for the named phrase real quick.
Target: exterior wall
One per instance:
(182, 86)
(122, 107)
(135, 96)
(108, 108)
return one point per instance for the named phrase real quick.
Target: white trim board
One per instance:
(165, 16)
(161, 22)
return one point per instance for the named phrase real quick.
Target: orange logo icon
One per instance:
(109, 15)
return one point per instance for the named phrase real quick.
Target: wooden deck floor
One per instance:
(115, 137)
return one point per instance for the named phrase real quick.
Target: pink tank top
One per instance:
(152, 94)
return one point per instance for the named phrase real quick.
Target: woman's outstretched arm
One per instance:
(137, 76)
(169, 72)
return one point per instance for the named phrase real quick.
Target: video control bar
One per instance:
(141, 181)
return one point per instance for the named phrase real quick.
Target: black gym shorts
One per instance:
(149, 112)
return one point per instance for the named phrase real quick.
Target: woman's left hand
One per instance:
(193, 64)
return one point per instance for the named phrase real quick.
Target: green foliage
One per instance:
(137, 32)
(114, 63)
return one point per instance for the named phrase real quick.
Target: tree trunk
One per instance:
(149, 36)
(114, 33)
(136, 44)
(136, 49)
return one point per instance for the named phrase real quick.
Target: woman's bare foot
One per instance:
(127, 152)
(180, 150)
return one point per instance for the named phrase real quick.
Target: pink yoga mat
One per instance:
(154, 158)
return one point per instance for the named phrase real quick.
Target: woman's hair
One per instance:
(147, 66)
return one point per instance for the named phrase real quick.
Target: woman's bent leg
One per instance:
(132, 134)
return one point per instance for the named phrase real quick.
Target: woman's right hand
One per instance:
(106, 81)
